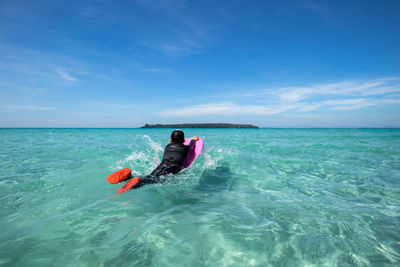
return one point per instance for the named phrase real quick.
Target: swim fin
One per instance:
(132, 183)
(119, 176)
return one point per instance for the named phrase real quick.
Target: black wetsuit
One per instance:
(173, 159)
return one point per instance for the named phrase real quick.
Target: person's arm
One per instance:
(194, 139)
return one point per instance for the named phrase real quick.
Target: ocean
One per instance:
(255, 197)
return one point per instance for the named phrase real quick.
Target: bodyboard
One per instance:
(196, 150)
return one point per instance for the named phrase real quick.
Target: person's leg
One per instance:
(153, 178)
(149, 179)
(162, 169)
(174, 169)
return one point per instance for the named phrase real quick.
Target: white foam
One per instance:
(153, 145)
(142, 162)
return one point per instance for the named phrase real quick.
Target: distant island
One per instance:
(201, 125)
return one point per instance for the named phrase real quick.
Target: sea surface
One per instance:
(255, 197)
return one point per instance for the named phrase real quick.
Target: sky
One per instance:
(105, 63)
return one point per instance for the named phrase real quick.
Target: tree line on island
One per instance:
(201, 125)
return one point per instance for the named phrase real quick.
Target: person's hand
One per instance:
(195, 138)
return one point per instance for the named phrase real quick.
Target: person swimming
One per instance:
(173, 160)
(175, 154)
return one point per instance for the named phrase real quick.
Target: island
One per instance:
(201, 125)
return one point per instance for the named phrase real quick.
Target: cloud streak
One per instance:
(155, 70)
(65, 75)
(27, 107)
(339, 96)
(345, 88)
(225, 109)
(185, 32)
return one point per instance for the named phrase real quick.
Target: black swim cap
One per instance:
(178, 136)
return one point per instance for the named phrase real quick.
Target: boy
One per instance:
(173, 159)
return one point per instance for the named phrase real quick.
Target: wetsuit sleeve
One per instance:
(191, 144)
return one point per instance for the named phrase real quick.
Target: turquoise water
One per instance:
(259, 197)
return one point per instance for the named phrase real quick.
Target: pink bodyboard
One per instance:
(194, 152)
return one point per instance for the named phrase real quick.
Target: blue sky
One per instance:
(270, 63)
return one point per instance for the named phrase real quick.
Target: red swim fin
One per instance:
(119, 176)
(132, 183)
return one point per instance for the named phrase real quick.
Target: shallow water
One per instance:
(255, 197)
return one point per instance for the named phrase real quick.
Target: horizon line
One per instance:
(387, 127)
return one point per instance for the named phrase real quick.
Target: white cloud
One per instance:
(340, 96)
(226, 109)
(311, 107)
(175, 46)
(171, 6)
(184, 32)
(350, 104)
(155, 70)
(65, 75)
(345, 88)
(27, 107)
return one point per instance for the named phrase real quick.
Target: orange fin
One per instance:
(119, 176)
(132, 183)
